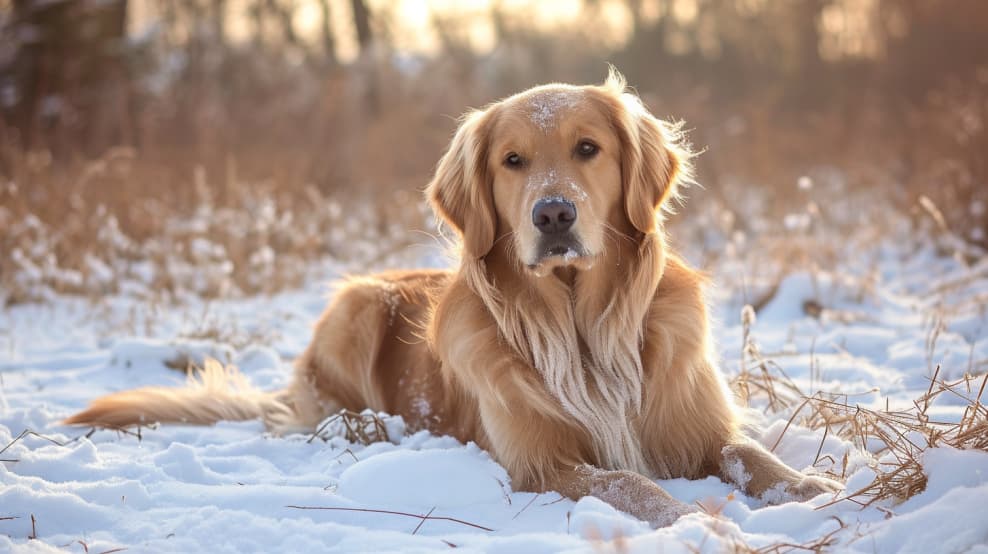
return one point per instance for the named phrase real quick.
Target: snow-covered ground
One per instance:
(890, 314)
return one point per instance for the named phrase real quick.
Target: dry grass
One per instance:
(244, 201)
(364, 428)
(422, 518)
(761, 377)
(896, 439)
(818, 545)
(904, 435)
(225, 330)
(87, 229)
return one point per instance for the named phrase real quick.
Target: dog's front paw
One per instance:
(668, 513)
(812, 486)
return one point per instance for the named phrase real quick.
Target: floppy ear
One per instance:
(652, 175)
(654, 160)
(460, 192)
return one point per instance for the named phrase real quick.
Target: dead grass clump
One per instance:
(896, 438)
(364, 427)
(902, 436)
(761, 377)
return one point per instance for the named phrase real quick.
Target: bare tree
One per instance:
(362, 22)
(326, 30)
(66, 73)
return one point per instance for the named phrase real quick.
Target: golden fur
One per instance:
(583, 368)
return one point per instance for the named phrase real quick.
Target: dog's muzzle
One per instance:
(554, 217)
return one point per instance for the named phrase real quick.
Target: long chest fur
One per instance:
(592, 368)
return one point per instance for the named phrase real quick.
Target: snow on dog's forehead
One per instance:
(547, 104)
(544, 105)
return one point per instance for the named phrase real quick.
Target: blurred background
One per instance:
(217, 147)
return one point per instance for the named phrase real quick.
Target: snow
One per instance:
(546, 107)
(888, 319)
(549, 179)
(406, 480)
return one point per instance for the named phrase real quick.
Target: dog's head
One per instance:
(555, 169)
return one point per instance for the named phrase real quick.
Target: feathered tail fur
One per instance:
(214, 393)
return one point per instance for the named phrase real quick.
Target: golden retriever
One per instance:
(570, 342)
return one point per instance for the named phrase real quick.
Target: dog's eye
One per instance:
(586, 149)
(513, 160)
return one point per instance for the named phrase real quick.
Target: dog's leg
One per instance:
(627, 491)
(543, 450)
(526, 429)
(760, 473)
(336, 371)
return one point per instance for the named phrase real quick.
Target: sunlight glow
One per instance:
(419, 27)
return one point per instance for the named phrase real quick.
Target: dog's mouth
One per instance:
(560, 251)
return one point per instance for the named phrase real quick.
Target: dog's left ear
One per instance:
(653, 163)
(652, 175)
(460, 193)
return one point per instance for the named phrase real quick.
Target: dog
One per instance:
(571, 342)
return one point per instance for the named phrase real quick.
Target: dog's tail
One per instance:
(214, 393)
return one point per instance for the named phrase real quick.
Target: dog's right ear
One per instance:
(460, 193)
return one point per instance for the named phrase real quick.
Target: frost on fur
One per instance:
(734, 468)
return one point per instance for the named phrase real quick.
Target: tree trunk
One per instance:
(69, 59)
(328, 40)
(361, 20)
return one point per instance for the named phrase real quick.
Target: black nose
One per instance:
(553, 215)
